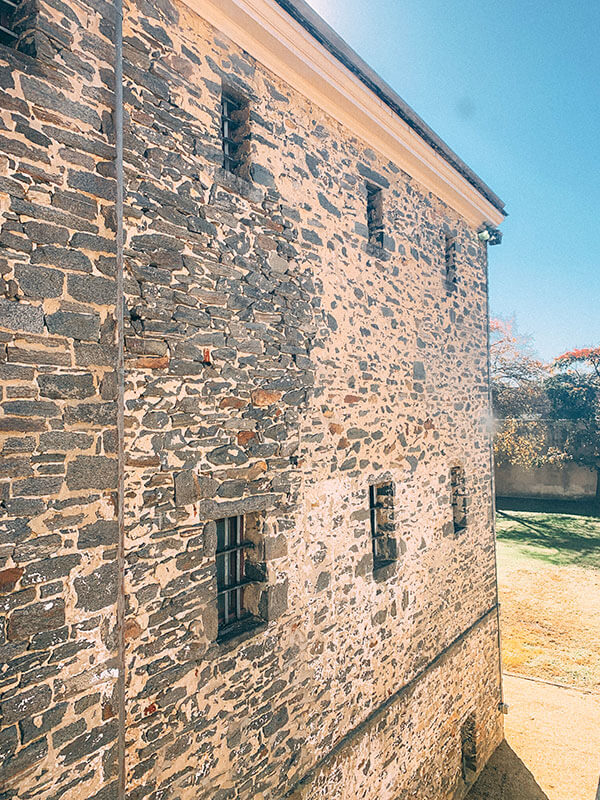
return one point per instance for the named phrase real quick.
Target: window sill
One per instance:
(233, 183)
(234, 634)
(377, 251)
(384, 570)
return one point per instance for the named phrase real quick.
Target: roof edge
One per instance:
(320, 30)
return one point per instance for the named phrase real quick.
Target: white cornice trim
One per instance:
(282, 45)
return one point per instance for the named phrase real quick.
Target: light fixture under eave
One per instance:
(489, 234)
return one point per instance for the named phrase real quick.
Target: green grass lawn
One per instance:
(561, 539)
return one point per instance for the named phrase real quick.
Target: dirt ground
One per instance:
(552, 747)
(549, 577)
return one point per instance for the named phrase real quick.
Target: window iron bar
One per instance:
(234, 586)
(225, 118)
(8, 32)
(232, 548)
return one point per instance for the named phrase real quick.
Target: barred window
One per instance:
(375, 215)
(381, 509)
(231, 572)
(450, 260)
(7, 17)
(459, 498)
(468, 745)
(234, 127)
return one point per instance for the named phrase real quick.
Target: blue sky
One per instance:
(514, 88)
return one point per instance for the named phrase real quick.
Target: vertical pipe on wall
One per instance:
(492, 472)
(120, 368)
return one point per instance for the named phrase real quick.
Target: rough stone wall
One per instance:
(376, 760)
(332, 364)
(276, 365)
(57, 419)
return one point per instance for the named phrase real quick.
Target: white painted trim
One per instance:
(282, 45)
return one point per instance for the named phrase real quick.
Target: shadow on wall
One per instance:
(506, 777)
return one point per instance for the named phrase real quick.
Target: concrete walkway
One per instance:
(552, 747)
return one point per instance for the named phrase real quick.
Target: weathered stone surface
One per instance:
(189, 487)
(50, 569)
(33, 727)
(74, 325)
(9, 578)
(97, 590)
(21, 316)
(67, 386)
(92, 472)
(38, 282)
(262, 397)
(62, 258)
(24, 705)
(103, 533)
(25, 622)
(89, 743)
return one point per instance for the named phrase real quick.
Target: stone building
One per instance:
(247, 542)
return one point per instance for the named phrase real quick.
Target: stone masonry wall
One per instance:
(276, 365)
(375, 762)
(58, 414)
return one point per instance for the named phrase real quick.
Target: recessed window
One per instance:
(234, 131)
(468, 746)
(450, 260)
(232, 581)
(7, 18)
(459, 498)
(375, 215)
(381, 509)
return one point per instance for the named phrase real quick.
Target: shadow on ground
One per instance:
(548, 505)
(557, 538)
(506, 777)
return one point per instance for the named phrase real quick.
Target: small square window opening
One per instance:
(234, 132)
(8, 10)
(231, 572)
(459, 498)
(450, 260)
(381, 510)
(468, 747)
(375, 215)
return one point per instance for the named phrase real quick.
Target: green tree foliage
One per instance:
(573, 392)
(545, 414)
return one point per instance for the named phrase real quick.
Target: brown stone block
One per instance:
(150, 362)
(244, 437)
(143, 461)
(233, 402)
(263, 397)
(132, 630)
(8, 578)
